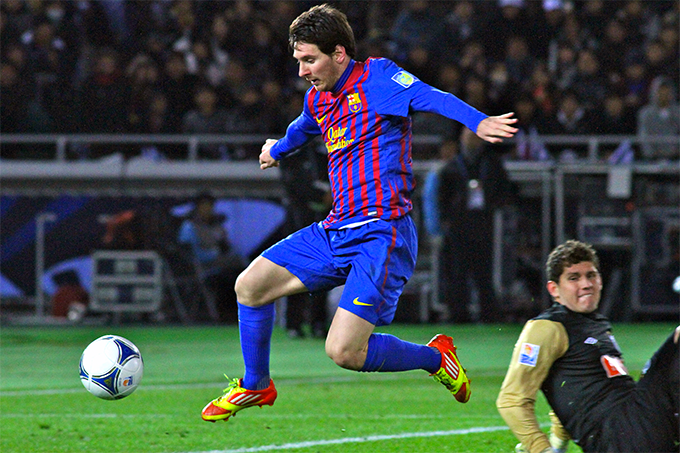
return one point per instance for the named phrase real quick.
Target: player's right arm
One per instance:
(299, 132)
(540, 344)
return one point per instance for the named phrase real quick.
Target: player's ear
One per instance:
(340, 54)
(553, 289)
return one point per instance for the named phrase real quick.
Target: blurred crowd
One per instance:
(185, 66)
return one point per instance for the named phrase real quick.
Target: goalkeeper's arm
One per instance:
(559, 438)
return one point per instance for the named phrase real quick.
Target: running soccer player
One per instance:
(368, 242)
(569, 352)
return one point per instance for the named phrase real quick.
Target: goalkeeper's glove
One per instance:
(557, 446)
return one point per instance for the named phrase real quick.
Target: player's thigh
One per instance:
(263, 282)
(348, 332)
(381, 264)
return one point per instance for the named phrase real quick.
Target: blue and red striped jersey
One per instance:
(365, 124)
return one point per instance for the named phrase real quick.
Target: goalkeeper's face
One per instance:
(320, 69)
(579, 288)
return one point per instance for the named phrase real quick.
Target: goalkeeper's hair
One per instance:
(324, 26)
(566, 255)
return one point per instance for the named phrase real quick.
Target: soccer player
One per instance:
(368, 241)
(568, 352)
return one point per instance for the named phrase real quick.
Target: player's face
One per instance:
(318, 68)
(579, 288)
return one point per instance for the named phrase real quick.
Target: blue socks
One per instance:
(389, 353)
(256, 325)
(385, 352)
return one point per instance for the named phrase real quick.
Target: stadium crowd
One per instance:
(184, 66)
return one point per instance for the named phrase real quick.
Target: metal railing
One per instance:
(63, 142)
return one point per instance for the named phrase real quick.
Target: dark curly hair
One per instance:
(324, 26)
(566, 255)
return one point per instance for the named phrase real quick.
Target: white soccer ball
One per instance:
(111, 367)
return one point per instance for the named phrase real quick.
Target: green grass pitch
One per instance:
(320, 408)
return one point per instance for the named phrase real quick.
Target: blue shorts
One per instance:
(374, 261)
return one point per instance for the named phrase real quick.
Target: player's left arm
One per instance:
(493, 129)
(540, 344)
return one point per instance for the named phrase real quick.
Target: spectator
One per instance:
(613, 117)
(416, 25)
(571, 117)
(432, 219)
(207, 117)
(461, 25)
(635, 83)
(612, 49)
(473, 60)
(589, 83)
(218, 41)
(501, 90)
(17, 19)
(419, 60)
(156, 119)
(179, 85)
(104, 96)
(594, 16)
(272, 100)
(16, 95)
(473, 184)
(659, 61)
(46, 52)
(143, 78)
(518, 60)
(204, 232)
(450, 79)
(639, 21)
(530, 122)
(563, 66)
(572, 35)
(508, 18)
(660, 117)
(475, 91)
(542, 89)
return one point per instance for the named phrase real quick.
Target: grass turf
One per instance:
(320, 408)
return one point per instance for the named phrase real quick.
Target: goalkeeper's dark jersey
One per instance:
(589, 380)
(574, 359)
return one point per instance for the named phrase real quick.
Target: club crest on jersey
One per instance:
(404, 79)
(528, 354)
(354, 102)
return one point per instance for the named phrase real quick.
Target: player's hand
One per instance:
(494, 128)
(558, 445)
(519, 448)
(266, 160)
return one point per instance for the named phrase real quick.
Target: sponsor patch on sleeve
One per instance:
(528, 354)
(404, 78)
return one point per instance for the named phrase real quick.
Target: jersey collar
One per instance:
(343, 78)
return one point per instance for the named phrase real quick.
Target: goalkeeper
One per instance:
(569, 353)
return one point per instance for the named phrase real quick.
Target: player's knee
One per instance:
(246, 290)
(344, 357)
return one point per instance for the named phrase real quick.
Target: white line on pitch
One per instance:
(348, 440)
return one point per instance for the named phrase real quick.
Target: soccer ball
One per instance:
(111, 367)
